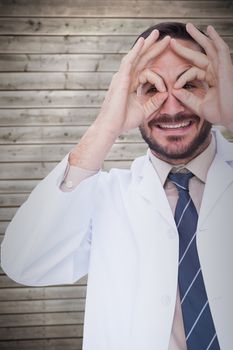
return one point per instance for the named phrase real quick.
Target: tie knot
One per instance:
(181, 180)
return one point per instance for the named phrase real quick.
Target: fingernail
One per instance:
(188, 25)
(210, 27)
(154, 31)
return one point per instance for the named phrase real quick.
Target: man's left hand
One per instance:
(215, 69)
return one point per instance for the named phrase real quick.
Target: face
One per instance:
(174, 133)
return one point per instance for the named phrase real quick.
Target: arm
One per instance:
(45, 243)
(49, 239)
(121, 110)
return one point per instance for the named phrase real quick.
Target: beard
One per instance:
(182, 151)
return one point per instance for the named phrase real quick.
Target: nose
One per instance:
(171, 105)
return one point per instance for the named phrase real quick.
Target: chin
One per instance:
(177, 147)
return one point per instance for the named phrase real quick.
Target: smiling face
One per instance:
(174, 133)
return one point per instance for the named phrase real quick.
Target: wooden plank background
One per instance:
(56, 61)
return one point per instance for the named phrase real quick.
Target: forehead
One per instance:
(169, 64)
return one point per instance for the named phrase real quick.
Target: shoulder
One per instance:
(123, 177)
(224, 148)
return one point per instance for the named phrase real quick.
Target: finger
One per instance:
(191, 74)
(127, 61)
(197, 58)
(150, 40)
(154, 51)
(201, 39)
(151, 77)
(190, 100)
(220, 44)
(154, 103)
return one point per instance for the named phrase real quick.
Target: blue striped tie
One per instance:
(198, 323)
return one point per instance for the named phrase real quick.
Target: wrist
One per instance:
(106, 127)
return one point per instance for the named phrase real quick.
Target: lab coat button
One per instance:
(69, 184)
(171, 234)
(165, 300)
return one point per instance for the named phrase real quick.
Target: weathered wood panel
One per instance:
(51, 116)
(39, 153)
(58, 318)
(45, 344)
(59, 62)
(42, 306)
(33, 293)
(41, 332)
(18, 185)
(56, 60)
(6, 282)
(51, 98)
(38, 170)
(12, 200)
(121, 8)
(6, 214)
(67, 44)
(100, 26)
(54, 134)
(72, 44)
(3, 226)
(55, 81)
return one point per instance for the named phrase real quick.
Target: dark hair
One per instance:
(176, 30)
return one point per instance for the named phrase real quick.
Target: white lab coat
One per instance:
(118, 227)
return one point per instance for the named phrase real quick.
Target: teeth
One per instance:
(174, 126)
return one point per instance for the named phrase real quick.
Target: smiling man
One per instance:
(155, 240)
(175, 134)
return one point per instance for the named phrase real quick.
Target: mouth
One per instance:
(174, 126)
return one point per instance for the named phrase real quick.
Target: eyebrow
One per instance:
(178, 76)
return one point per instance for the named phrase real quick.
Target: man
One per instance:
(135, 232)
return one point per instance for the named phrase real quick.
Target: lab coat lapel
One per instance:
(152, 222)
(150, 188)
(220, 176)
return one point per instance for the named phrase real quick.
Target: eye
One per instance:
(189, 86)
(151, 90)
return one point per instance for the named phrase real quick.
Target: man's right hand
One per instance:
(122, 109)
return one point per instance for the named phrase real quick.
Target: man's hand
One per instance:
(215, 68)
(122, 109)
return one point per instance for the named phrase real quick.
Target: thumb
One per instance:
(154, 103)
(190, 100)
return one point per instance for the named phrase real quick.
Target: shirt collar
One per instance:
(199, 166)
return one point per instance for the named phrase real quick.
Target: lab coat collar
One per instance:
(147, 183)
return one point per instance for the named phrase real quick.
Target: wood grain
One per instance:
(56, 61)
(54, 135)
(105, 26)
(48, 116)
(45, 344)
(72, 44)
(32, 153)
(51, 99)
(60, 62)
(56, 318)
(121, 8)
